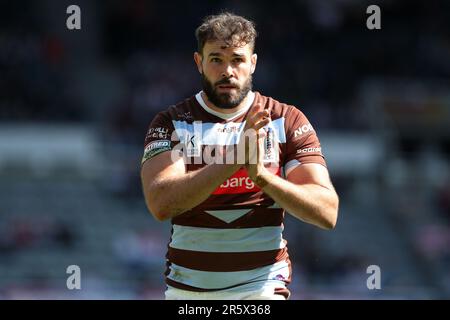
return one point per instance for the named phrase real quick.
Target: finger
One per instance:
(251, 115)
(258, 106)
(261, 115)
(253, 110)
(254, 116)
(261, 123)
(257, 109)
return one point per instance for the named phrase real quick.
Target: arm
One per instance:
(170, 191)
(307, 194)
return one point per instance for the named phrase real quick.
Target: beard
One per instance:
(225, 100)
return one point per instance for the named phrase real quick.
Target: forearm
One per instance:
(178, 194)
(311, 203)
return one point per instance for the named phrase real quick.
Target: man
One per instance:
(225, 195)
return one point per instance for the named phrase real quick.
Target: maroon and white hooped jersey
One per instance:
(235, 236)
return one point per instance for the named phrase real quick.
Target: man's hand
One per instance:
(252, 139)
(255, 166)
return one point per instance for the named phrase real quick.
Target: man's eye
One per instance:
(238, 60)
(215, 60)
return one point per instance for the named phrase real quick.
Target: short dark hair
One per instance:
(234, 30)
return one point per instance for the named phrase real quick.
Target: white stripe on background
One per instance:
(219, 280)
(227, 240)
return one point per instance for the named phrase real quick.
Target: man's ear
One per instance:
(254, 59)
(198, 61)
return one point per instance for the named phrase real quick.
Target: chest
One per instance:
(204, 143)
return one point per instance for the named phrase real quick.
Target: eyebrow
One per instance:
(218, 54)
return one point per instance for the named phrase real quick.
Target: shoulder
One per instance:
(162, 124)
(183, 110)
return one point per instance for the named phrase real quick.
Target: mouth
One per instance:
(227, 87)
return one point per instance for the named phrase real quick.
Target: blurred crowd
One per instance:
(311, 54)
(316, 55)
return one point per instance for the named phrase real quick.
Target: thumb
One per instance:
(255, 109)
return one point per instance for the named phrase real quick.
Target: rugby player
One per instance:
(227, 214)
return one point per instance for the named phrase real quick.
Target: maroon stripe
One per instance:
(178, 285)
(259, 217)
(283, 292)
(240, 201)
(182, 286)
(225, 261)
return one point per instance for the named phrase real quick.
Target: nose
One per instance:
(227, 72)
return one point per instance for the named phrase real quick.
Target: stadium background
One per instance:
(74, 107)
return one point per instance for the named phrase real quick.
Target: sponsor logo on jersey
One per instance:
(185, 116)
(154, 148)
(159, 132)
(240, 182)
(303, 129)
(270, 147)
(279, 277)
(193, 145)
(228, 129)
(309, 150)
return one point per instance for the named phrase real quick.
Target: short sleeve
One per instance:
(302, 143)
(159, 137)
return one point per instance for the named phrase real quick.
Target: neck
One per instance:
(226, 111)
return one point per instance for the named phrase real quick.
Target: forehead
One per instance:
(222, 48)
